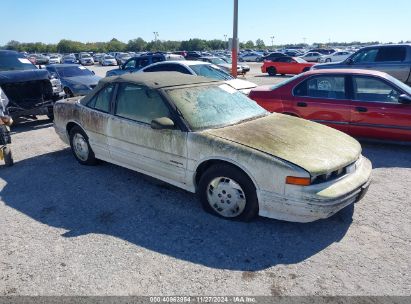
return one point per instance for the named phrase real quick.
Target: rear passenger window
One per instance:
(329, 87)
(157, 59)
(391, 53)
(102, 100)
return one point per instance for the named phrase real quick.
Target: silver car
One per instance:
(393, 59)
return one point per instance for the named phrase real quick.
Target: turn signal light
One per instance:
(300, 181)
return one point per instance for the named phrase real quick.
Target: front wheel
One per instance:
(272, 71)
(8, 156)
(227, 192)
(328, 60)
(81, 147)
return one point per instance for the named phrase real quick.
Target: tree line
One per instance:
(140, 45)
(133, 45)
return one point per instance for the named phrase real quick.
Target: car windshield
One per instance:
(210, 71)
(214, 106)
(401, 85)
(283, 83)
(217, 61)
(73, 71)
(85, 56)
(108, 57)
(15, 62)
(299, 60)
(228, 60)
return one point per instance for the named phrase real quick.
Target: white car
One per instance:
(108, 60)
(335, 57)
(311, 56)
(205, 137)
(54, 59)
(201, 68)
(86, 59)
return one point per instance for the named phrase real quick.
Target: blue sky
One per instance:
(289, 21)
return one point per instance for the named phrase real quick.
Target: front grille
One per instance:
(28, 94)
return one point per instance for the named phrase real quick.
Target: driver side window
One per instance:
(139, 103)
(131, 64)
(374, 90)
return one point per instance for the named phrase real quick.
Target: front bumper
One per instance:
(311, 203)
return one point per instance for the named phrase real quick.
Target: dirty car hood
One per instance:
(311, 146)
(240, 84)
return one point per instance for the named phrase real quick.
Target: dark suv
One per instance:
(394, 59)
(30, 91)
(137, 63)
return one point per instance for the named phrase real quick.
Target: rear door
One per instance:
(376, 112)
(323, 99)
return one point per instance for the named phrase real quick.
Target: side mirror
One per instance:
(162, 123)
(349, 61)
(404, 99)
(93, 72)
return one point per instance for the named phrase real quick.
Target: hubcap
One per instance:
(80, 146)
(226, 197)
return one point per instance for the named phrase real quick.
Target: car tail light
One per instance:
(300, 181)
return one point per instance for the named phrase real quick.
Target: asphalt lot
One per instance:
(68, 229)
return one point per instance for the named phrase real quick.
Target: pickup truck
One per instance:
(394, 59)
(30, 91)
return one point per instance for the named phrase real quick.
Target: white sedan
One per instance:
(335, 57)
(205, 137)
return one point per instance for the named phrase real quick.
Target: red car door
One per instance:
(376, 111)
(321, 98)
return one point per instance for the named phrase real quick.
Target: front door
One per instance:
(134, 144)
(376, 112)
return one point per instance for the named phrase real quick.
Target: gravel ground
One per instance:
(68, 229)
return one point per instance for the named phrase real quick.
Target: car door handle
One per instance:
(301, 104)
(361, 109)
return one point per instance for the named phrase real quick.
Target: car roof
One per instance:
(8, 52)
(346, 71)
(62, 65)
(159, 80)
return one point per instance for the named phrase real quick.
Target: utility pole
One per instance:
(234, 50)
(272, 41)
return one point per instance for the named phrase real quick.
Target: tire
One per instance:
(68, 92)
(272, 71)
(80, 147)
(8, 156)
(225, 191)
(328, 60)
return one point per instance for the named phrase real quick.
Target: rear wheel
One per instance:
(227, 192)
(328, 60)
(81, 147)
(272, 71)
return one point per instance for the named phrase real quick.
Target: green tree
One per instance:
(136, 45)
(259, 43)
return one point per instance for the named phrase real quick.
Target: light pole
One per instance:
(304, 39)
(234, 50)
(225, 40)
(272, 41)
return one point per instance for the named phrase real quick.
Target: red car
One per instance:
(362, 103)
(286, 65)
